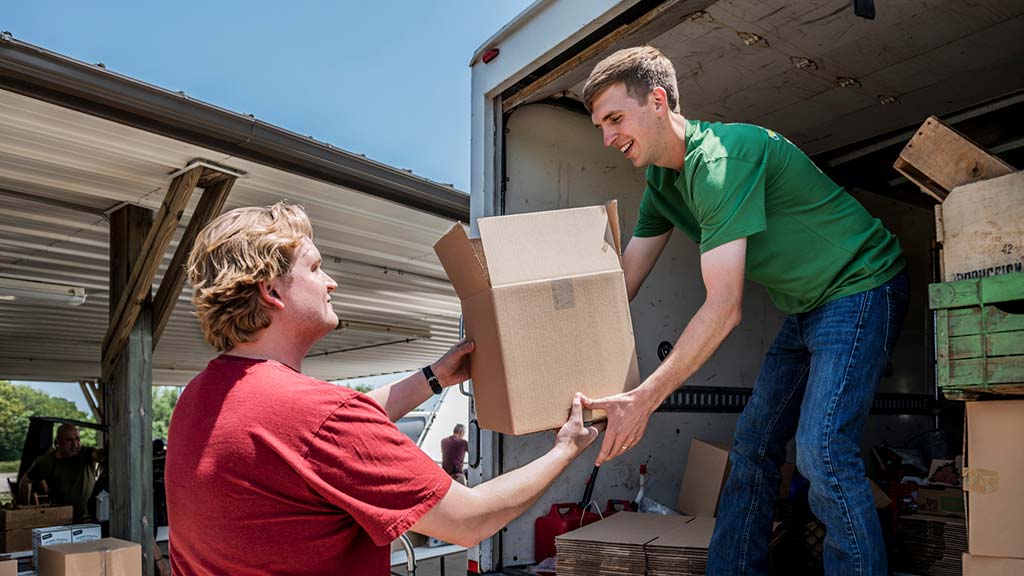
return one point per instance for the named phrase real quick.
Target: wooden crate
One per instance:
(979, 334)
(938, 159)
(34, 517)
(981, 228)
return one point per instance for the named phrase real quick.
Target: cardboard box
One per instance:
(8, 567)
(989, 566)
(16, 540)
(544, 298)
(994, 478)
(941, 501)
(981, 228)
(49, 536)
(104, 557)
(85, 532)
(35, 517)
(707, 468)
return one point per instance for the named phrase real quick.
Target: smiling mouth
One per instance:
(625, 148)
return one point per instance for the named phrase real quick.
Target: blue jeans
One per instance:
(818, 382)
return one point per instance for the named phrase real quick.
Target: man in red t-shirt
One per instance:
(453, 451)
(270, 471)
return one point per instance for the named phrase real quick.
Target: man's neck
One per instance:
(674, 144)
(272, 346)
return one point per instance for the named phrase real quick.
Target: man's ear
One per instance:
(660, 98)
(269, 295)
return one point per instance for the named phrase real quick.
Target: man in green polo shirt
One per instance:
(759, 209)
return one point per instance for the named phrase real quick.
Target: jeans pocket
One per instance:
(896, 303)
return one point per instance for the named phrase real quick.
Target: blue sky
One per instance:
(389, 79)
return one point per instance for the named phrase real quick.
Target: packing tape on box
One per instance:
(980, 480)
(563, 295)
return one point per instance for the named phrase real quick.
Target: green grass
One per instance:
(9, 466)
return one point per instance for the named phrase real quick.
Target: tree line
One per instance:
(19, 402)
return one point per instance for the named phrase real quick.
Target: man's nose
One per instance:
(609, 136)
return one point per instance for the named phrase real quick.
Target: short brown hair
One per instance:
(641, 69)
(232, 255)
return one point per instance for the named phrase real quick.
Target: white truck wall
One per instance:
(555, 159)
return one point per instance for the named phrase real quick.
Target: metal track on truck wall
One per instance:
(730, 400)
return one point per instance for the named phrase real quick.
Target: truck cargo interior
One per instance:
(847, 90)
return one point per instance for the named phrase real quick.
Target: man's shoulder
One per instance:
(44, 462)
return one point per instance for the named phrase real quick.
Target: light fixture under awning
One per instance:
(14, 290)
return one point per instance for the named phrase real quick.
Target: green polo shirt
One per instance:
(808, 240)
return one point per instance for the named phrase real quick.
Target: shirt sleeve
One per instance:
(730, 201)
(37, 471)
(359, 461)
(650, 222)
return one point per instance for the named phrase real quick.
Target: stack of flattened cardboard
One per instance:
(931, 545)
(614, 546)
(682, 551)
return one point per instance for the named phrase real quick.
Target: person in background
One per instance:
(66, 473)
(453, 452)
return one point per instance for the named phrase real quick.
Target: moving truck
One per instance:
(850, 91)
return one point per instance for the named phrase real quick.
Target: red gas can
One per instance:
(562, 518)
(618, 506)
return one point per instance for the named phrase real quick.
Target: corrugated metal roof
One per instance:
(60, 168)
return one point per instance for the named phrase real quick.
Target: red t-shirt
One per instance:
(270, 471)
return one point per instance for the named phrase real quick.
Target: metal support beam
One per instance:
(128, 388)
(208, 208)
(151, 253)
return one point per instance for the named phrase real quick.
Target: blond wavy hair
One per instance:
(641, 69)
(232, 255)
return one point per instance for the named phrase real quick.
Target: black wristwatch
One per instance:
(435, 384)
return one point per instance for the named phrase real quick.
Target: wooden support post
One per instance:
(128, 391)
(208, 208)
(87, 391)
(143, 269)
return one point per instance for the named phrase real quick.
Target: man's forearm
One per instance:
(502, 499)
(400, 397)
(706, 331)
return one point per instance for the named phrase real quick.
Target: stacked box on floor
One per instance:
(17, 524)
(994, 487)
(979, 332)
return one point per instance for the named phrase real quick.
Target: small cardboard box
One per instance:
(104, 557)
(994, 478)
(49, 536)
(85, 532)
(9, 567)
(544, 298)
(34, 517)
(981, 228)
(707, 468)
(941, 501)
(988, 566)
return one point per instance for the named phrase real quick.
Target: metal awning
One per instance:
(77, 141)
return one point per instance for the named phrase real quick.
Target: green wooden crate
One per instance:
(979, 335)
